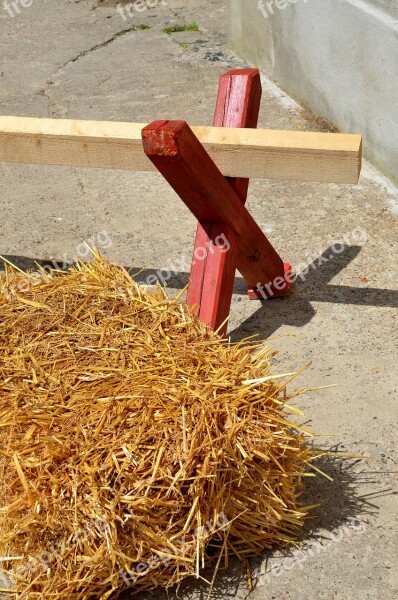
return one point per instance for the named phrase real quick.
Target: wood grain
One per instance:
(243, 153)
(181, 159)
(212, 279)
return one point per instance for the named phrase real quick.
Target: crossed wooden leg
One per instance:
(227, 236)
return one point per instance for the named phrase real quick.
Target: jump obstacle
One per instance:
(209, 168)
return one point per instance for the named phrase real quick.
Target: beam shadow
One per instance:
(295, 310)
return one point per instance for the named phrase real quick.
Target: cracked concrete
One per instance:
(99, 45)
(69, 59)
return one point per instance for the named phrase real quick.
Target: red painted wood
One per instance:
(219, 276)
(212, 279)
(278, 287)
(181, 159)
(198, 267)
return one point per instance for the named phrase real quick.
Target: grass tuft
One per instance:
(178, 28)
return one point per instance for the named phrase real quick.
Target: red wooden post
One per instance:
(212, 277)
(182, 160)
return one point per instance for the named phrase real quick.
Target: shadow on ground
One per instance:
(344, 508)
(295, 310)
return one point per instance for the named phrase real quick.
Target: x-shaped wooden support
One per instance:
(193, 161)
(227, 236)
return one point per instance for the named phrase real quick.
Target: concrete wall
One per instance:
(339, 56)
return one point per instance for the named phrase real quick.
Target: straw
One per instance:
(136, 445)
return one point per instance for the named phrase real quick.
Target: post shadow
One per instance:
(294, 310)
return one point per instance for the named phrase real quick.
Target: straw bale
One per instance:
(135, 444)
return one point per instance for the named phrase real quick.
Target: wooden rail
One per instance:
(244, 153)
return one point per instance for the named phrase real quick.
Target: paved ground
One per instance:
(81, 59)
